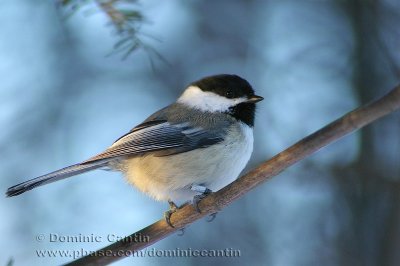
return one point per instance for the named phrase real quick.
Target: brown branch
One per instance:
(216, 201)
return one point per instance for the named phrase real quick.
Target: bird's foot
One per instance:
(196, 199)
(167, 215)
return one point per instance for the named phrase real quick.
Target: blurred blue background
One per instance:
(63, 100)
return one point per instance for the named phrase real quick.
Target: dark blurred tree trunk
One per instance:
(370, 186)
(227, 37)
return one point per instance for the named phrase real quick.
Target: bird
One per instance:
(183, 152)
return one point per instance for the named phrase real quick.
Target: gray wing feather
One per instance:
(161, 138)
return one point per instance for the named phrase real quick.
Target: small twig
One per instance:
(216, 201)
(127, 23)
(117, 18)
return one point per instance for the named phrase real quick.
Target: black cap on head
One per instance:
(232, 86)
(229, 86)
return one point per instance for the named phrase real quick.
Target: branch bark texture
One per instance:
(348, 123)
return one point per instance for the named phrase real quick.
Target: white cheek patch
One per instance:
(207, 101)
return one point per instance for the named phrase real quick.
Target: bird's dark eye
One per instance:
(229, 94)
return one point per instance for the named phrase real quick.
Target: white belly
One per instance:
(170, 177)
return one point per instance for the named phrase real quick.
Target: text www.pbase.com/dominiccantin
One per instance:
(152, 253)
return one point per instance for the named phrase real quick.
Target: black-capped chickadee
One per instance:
(184, 151)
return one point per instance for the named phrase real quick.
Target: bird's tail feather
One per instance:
(69, 171)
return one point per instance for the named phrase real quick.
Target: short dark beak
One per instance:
(255, 99)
